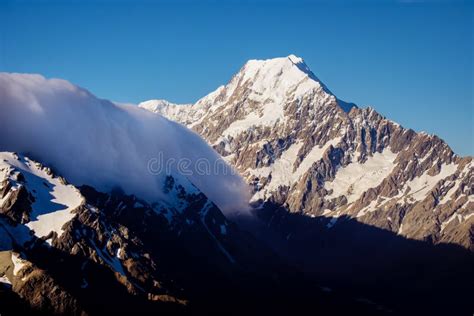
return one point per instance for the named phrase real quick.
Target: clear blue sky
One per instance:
(411, 60)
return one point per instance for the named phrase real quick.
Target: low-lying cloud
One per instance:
(105, 145)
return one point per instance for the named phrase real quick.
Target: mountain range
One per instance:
(316, 203)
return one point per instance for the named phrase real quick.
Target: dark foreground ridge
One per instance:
(406, 276)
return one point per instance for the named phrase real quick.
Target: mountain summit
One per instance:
(274, 78)
(262, 94)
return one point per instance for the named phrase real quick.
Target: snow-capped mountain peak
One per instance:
(300, 146)
(263, 94)
(295, 59)
(278, 76)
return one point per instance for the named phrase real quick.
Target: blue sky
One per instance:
(411, 60)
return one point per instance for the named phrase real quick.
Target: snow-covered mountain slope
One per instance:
(44, 203)
(95, 142)
(302, 148)
(52, 201)
(262, 88)
(48, 226)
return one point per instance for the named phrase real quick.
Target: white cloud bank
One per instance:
(105, 145)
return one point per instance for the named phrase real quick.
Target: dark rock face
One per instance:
(43, 292)
(16, 201)
(17, 204)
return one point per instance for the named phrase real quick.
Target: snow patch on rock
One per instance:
(18, 263)
(418, 188)
(54, 201)
(356, 178)
(282, 172)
